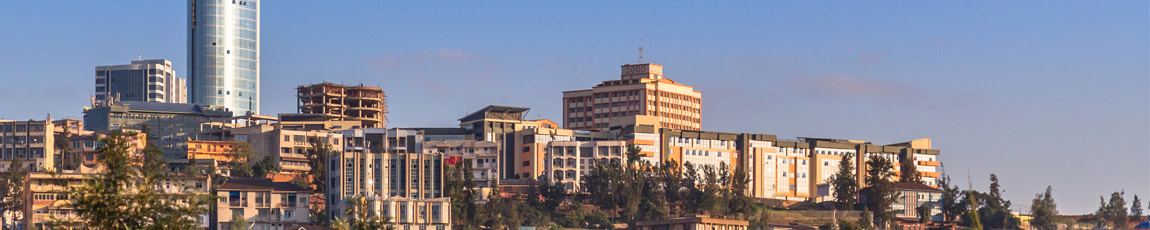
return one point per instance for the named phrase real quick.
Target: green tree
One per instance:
(12, 188)
(238, 222)
(128, 195)
(866, 219)
(70, 160)
(923, 212)
(996, 212)
(1044, 210)
(493, 215)
(1115, 211)
(909, 172)
(318, 180)
(265, 167)
(1136, 208)
(845, 184)
(972, 215)
(360, 217)
(460, 187)
(241, 156)
(880, 192)
(951, 207)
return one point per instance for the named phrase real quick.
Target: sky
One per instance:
(1041, 93)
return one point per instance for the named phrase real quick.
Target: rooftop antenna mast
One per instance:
(641, 61)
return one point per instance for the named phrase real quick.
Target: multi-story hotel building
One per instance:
(224, 54)
(144, 80)
(641, 90)
(335, 102)
(29, 140)
(262, 203)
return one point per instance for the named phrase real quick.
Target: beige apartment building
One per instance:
(47, 199)
(290, 148)
(33, 141)
(264, 204)
(640, 90)
(338, 102)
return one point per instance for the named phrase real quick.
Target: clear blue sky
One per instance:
(1041, 93)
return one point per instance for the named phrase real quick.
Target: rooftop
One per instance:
(260, 184)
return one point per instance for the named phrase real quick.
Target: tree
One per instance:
(128, 194)
(238, 222)
(1115, 211)
(880, 192)
(1044, 211)
(360, 216)
(923, 212)
(241, 157)
(845, 184)
(12, 188)
(909, 172)
(460, 187)
(265, 167)
(69, 161)
(971, 214)
(1136, 208)
(996, 212)
(951, 208)
(318, 180)
(866, 219)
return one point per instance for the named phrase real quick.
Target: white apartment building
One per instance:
(568, 161)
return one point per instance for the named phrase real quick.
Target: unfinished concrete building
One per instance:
(335, 102)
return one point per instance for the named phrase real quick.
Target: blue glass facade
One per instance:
(224, 54)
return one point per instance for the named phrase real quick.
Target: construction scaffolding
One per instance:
(336, 102)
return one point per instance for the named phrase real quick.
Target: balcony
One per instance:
(929, 163)
(237, 203)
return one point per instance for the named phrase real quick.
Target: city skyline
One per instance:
(994, 90)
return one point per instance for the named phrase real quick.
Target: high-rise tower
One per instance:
(224, 54)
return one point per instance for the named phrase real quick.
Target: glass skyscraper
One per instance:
(224, 54)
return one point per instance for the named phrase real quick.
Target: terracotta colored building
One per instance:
(640, 90)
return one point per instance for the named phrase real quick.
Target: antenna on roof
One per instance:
(641, 61)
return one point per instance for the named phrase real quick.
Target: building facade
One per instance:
(482, 155)
(337, 102)
(262, 203)
(697, 222)
(144, 80)
(169, 125)
(641, 90)
(32, 141)
(224, 54)
(289, 148)
(567, 162)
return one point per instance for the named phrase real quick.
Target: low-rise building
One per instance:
(264, 204)
(220, 152)
(697, 222)
(915, 195)
(567, 162)
(47, 196)
(169, 125)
